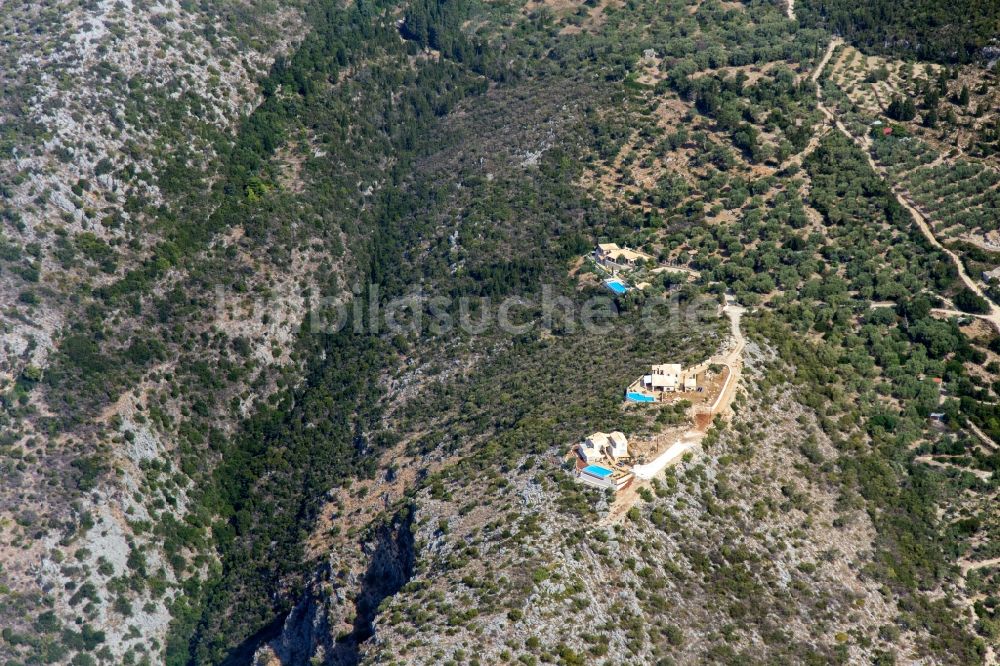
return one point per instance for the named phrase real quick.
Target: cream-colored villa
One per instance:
(592, 448)
(670, 377)
(612, 257)
(665, 378)
(605, 455)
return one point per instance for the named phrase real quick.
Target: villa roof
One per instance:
(599, 439)
(617, 252)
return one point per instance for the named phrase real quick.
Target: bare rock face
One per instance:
(71, 84)
(336, 614)
(307, 631)
(72, 76)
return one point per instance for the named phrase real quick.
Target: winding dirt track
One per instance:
(969, 565)
(924, 225)
(904, 200)
(984, 437)
(821, 65)
(944, 464)
(994, 314)
(814, 140)
(733, 360)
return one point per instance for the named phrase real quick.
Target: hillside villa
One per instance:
(603, 456)
(592, 448)
(612, 445)
(665, 378)
(670, 377)
(619, 265)
(612, 257)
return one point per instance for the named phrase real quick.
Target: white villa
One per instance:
(611, 256)
(592, 448)
(612, 445)
(603, 454)
(618, 445)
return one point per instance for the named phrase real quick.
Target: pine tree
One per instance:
(902, 108)
(931, 98)
(942, 81)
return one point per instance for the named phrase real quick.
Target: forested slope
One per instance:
(928, 29)
(206, 470)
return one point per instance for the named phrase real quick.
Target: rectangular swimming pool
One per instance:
(632, 396)
(598, 471)
(617, 286)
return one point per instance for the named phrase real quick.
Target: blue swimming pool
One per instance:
(617, 286)
(598, 471)
(632, 396)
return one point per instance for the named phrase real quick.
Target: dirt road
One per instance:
(958, 313)
(814, 140)
(904, 199)
(821, 65)
(984, 437)
(690, 272)
(864, 142)
(969, 565)
(944, 464)
(732, 358)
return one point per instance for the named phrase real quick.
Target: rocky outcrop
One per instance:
(335, 615)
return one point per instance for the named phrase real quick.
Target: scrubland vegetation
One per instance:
(478, 150)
